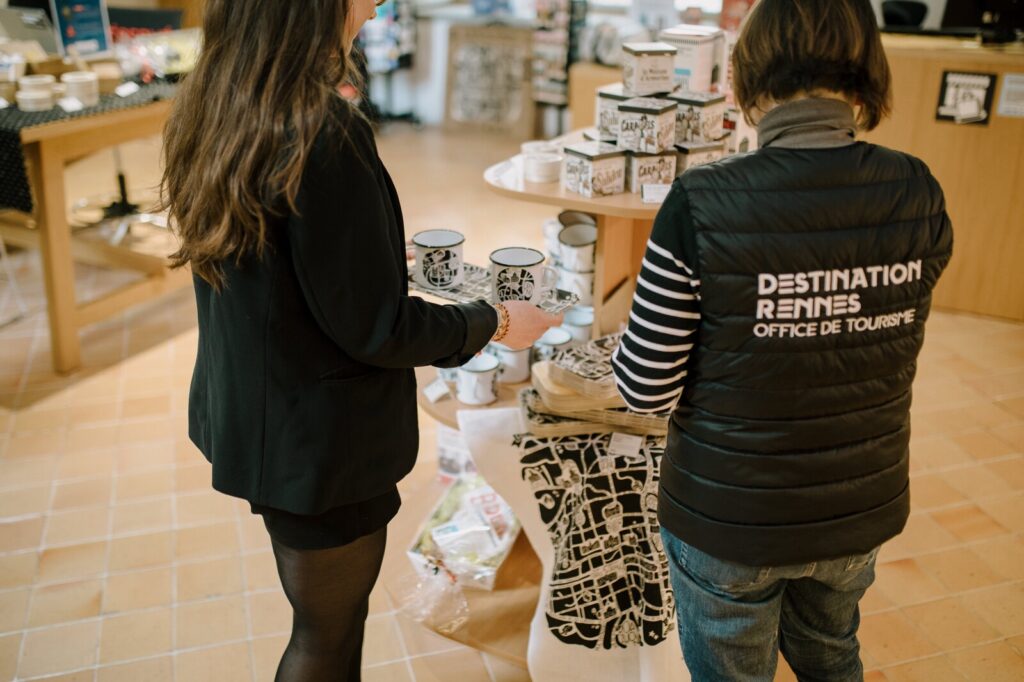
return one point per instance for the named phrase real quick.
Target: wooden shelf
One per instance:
(444, 410)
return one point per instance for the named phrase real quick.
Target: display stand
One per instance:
(624, 224)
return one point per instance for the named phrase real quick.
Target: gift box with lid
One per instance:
(693, 154)
(609, 97)
(699, 116)
(648, 68)
(647, 124)
(650, 169)
(594, 169)
(700, 56)
(742, 136)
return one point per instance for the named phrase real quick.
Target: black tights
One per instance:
(329, 590)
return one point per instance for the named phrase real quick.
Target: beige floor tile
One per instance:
(138, 590)
(1004, 554)
(24, 501)
(65, 602)
(145, 457)
(991, 663)
(35, 445)
(92, 493)
(931, 491)
(206, 541)
(381, 642)
(391, 672)
(59, 649)
(455, 665)
(146, 515)
(211, 622)
(968, 523)
(922, 534)
(1007, 511)
(152, 484)
(1012, 434)
(874, 600)
(891, 638)
(72, 561)
(85, 464)
(254, 533)
(204, 508)
(141, 551)
(982, 445)
(270, 612)
(153, 406)
(18, 570)
(145, 431)
(503, 671)
(380, 602)
(78, 526)
(904, 582)
(25, 472)
(91, 414)
(85, 675)
(219, 664)
(959, 570)
(261, 573)
(10, 645)
(950, 624)
(266, 653)
(52, 419)
(13, 604)
(150, 670)
(1010, 470)
(420, 640)
(935, 669)
(1002, 607)
(977, 482)
(136, 635)
(193, 478)
(206, 579)
(94, 437)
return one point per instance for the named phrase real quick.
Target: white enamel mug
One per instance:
(579, 283)
(579, 322)
(39, 83)
(477, 381)
(554, 340)
(519, 274)
(577, 245)
(438, 258)
(515, 364)
(83, 86)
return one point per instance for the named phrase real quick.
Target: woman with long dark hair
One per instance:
(303, 396)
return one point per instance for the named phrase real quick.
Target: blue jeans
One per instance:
(734, 619)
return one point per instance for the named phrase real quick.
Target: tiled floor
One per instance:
(117, 561)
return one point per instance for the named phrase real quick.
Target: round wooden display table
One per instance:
(623, 226)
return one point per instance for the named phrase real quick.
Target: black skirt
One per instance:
(333, 528)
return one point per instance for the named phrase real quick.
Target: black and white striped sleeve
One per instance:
(650, 363)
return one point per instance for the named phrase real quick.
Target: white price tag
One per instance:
(4, 103)
(127, 89)
(654, 194)
(625, 445)
(70, 104)
(436, 390)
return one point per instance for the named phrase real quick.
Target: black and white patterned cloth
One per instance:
(15, 191)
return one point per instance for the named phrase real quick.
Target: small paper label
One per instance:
(1011, 102)
(70, 104)
(127, 89)
(436, 390)
(625, 445)
(4, 103)
(654, 194)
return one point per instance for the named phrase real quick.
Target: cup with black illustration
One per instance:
(476, 383)
(577, 245)
(518, 273)
(515, 364)
(579, 322)
(554, 340)
(438, 258)
(579, 283)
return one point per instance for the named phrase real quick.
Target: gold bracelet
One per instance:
(503, 322)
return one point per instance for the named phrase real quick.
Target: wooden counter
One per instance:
(980, 168)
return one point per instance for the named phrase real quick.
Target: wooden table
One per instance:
(48, 149)
(499, 621)
(624, 224)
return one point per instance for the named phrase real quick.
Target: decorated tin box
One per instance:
(699, 117)
(650, 169)
(647, 125)
(594, 169)
(648, 68)
(700, 56)
(692, 154)
(609, 97)
(742, 136)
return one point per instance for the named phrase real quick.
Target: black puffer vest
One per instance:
(816, 267)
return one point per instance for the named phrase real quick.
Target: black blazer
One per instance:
(303, 396)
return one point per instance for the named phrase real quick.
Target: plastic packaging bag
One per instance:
(434, 599)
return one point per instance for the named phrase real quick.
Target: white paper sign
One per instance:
(436, 390)
(127, 89)
(654, 194)
(1011, 101)
(625, 445)
(4, 103)
(70, 104)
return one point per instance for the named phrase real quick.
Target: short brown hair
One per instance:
(789, 47)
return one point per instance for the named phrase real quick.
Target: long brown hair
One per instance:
(788, 47)
(244, 122)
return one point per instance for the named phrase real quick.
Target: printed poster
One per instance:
(1011, 101)
(83, 26)
(966, 98)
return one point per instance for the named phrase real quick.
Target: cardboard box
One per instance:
(647, 125)
(594, 169)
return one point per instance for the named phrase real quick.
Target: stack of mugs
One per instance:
(542, 161)
(41, 92)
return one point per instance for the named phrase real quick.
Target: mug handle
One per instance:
(549, 283)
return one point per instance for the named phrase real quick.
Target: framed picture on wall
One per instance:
(83, 27)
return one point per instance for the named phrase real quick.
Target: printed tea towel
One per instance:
(606, 609)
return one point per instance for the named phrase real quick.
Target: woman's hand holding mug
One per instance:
(526, 324)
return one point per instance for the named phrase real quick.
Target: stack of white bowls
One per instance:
(542, 161)
(83, 86)
(36, 93)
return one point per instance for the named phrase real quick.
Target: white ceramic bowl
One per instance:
(82, 85)
(40, 83)
(34, 101)
(538, 147)
(542, 167)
